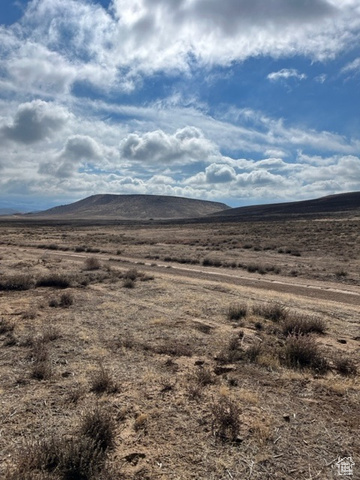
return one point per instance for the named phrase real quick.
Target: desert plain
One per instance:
(179, 351)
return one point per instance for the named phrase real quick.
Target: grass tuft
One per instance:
(345, 366)
(237, 311)
(302, 351)
(303, 325)
(92, 263)
(102, 382)
(226, 419)
(271, 311)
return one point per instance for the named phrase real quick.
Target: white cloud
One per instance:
(78, 150)
(286, 73)
(352, 67)
(35, 121)
(60, 42)
(186, 145)
(321, 78)
(219, 173)
(37, 69)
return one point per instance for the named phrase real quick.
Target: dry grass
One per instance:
(302, 325)
(237, 311)
(302, 351)
(102, 382)
(92, 263)
(225, 418)
(270, 311)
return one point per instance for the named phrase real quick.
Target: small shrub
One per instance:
(252, 268)
(204, 376)
(237, 312)
(102, 382)
(41, 362)
(194, 390)
(66, 300)
(211, 262)
(93, 250)
(80, 459)
(53, 303)
(232, 352)
(50, 333)
(38, 456)
(226, 419)
(253, 352)
(99, 426)
(16, 282)
(75, 394)
(80, 248)
(65, 459)
(345, 366)
(128, 283)
(131, 274)
(41, 370)
(92, 263)
(54, 280)
(270, 311)
(302, 351)
(341, 273)
(303, 325)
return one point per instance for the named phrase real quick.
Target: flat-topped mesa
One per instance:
(135, 207)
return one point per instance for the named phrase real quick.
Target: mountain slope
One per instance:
(343, 202)
(135, 207)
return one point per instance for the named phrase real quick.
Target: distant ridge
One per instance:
(134, 207)
(342, 202)
(8, 211)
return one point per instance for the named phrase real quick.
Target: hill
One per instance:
(343, 202)
(135, 207)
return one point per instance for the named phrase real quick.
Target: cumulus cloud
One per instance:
(219, 173)
(35, 121)
(286, 73)
(67, 41)
(186, 145)
(78, 149)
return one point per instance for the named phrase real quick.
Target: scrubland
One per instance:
(179, 351)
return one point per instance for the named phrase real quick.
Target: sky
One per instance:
(239, 101)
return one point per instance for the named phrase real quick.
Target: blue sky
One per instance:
(241, 101)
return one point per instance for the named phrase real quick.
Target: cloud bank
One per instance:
(82, 112)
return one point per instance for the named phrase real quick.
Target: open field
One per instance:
(221, 351)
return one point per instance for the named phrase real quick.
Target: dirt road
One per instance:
(332, 292)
